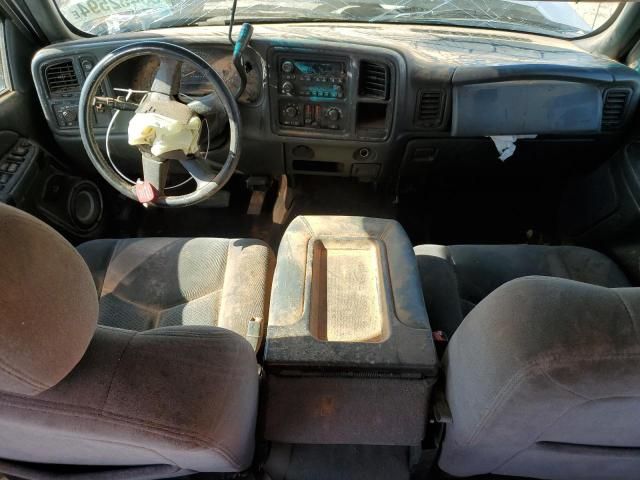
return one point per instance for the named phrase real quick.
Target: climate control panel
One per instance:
(311, 115)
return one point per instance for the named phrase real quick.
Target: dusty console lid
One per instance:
(346, 295)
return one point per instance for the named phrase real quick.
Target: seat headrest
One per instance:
(48, 304)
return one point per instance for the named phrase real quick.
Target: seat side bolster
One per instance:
(439, 287)
(247, 284)
(97, 254)
(517, 363)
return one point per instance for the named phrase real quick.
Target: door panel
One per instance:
(19, 108)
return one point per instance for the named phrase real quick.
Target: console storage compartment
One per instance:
(346, 301)
(349, 355)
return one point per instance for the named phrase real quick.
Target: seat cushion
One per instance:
(456, 278)
(157, 282)
(182, 396)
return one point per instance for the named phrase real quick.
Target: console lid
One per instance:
(346, 295)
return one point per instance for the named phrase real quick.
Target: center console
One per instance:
(318, 95)
(349, 354)
(303, 83)
(312, 91)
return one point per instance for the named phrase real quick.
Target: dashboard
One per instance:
(351, 100)
(193, 82)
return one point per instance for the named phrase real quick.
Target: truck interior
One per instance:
(274, 240)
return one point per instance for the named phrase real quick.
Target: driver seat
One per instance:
(92, 401)
(146, 283)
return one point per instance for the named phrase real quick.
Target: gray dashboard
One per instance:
(356, 94)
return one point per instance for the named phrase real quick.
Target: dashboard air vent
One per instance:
(374, 80)
(615, 105)
(62, 78)
(430, 108)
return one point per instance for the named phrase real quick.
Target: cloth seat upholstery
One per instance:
(92, 401)
(155, 282)
(543, 381)
(456, 278)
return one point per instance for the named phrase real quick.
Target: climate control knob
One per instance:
(333, 114)
(287, 88)
(291, 111)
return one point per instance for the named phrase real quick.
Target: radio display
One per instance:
(314, 68)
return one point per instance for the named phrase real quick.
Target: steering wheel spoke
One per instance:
(208, 105)
(155, 172)
(168, 77)
(198, 169)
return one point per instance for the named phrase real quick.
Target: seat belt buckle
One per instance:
(440, 337)
(254, 333)
(441, 340)
(441, 410)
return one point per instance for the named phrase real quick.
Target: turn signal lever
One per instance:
(119, 103)
(238, 61)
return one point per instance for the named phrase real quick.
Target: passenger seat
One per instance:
(456, 278)
(542, 378)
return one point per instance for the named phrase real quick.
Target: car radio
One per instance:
(302, 78)
(312, 93)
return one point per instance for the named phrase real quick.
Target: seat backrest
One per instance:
(543, 380)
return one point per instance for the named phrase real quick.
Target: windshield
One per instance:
(561, 19)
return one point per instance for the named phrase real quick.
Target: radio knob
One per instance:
(287, 67)
(287, 88)
(333, 114)
(291, 111)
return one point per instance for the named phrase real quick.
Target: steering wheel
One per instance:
(165, 92)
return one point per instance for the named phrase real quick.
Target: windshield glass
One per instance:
(561, 19)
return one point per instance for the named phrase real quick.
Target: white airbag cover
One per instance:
(165, 134)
